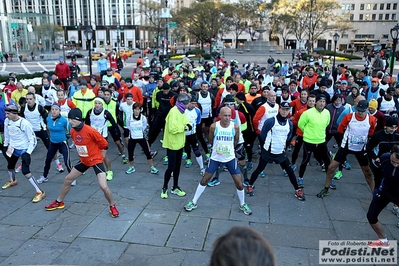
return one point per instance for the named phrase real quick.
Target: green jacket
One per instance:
(174, 136)
(313, 124)
(84, 102)
(154, 102)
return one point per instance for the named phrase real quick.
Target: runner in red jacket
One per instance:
(90, 146)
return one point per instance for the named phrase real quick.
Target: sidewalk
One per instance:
(155, 231)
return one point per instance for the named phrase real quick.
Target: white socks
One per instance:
(198, 193)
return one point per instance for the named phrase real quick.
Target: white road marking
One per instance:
(25, 68)
(3, 68)
(40, 65)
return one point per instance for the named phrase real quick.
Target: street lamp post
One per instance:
(336, 38)
(395, 37)
(310, 27)
(89, 37)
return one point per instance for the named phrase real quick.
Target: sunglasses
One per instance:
(230, 104)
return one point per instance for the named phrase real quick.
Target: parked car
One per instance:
(349, 51)
(318, 49)
(95, 56)
(73, 53)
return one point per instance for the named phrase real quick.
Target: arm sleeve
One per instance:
(198, 121)
(6, 135)
(176, 125)
(372, 143)
(303, 120)
(71, 104)
(344, 123)
(258, 116)
(111, 119)
(269, 123)
(373, 125)
(30, 134)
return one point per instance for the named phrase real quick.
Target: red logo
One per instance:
(78, 138)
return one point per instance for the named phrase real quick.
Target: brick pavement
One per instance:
(155, 231)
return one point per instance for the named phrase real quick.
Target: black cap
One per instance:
(228, 99)
(323, 82)
(391, 90)
(93, 78)
(165, 86)
(320, 97)
(362, 106)
(391, 121)
(109, 69)
(285, 105)
(240, 96)
(75, 113)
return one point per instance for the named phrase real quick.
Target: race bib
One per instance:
(358, 140)
(223, 149)
(82, 151)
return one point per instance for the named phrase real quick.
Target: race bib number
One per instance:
(358, 140)
(82, 151)
(10, 150)
(223, 149)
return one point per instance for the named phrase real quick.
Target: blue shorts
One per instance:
(232, 166)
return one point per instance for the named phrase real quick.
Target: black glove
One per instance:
(188, 127)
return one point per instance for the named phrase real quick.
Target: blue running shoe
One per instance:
(250, 166)
(300, 182)
(346, 165)
(262, 174)
(213, 183)
(293, 167)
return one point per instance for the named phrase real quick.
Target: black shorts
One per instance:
(98, 168)
(126, 132)
(361, 156)
(207, 121)
(115, 133)
(240, 151)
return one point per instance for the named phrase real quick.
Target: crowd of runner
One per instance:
(224, 112)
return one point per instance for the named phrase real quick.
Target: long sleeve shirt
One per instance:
(20, 135)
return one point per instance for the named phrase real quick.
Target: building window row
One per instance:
(388, 6)
(374, 17)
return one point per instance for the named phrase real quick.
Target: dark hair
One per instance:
(336, 96)
(32, 94)
(242, 246)
(137, 105)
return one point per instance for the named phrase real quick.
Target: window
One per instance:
(373, 17)
(393, 17)
(368, 6)
(388, 6)
(386, 16)
(384, 36)
(367, 17)
(352, 6)
(361, 6)
(348, 7)
(360, 16)
(381, 6)
(395, 6)
(343, 7)
(380, 16)
(351, 17)
(374, 6)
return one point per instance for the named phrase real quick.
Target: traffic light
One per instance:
(13, 33)
(18, 33)
(76, 26)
